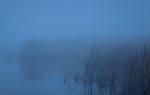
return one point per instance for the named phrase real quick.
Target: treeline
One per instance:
(116, 70)
(39, 59)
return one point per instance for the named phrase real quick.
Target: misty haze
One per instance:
(74, 47)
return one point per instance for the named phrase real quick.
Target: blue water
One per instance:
(12, 83)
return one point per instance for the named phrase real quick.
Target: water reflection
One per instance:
(12, 83)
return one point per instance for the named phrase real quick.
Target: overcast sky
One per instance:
(22, 19)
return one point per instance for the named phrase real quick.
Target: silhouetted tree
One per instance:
(117, 70)
(34, 60)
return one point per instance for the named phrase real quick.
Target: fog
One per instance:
(42, 40)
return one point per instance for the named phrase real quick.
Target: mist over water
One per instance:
(42, 41)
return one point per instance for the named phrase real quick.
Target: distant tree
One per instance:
(117, 70)
(137, 77)
(34, 60)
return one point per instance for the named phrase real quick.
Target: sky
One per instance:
(76, 22)
(21, 20)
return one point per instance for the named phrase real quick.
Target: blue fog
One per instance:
(68, 28)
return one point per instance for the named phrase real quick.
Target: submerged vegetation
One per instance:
(115, 70)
